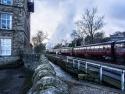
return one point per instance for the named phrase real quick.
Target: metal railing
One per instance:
(101, 67)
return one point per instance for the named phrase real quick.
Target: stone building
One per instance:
(15, 26)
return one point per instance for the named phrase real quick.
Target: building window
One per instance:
(5, 47)
(6, 2)
(6, 21)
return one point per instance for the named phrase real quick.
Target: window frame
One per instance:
(11, 20)
(1, 1)
(2, 53)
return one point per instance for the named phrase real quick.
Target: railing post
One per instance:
(122, 80)
(100, 73)
(86, 66)
(73, 62)
(67, 59)
(78, 64)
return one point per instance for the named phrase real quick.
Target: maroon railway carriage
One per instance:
(120, 51)
(94, 50)
(114, 51)
(66, 51)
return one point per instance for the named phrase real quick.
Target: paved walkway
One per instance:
(14, 81)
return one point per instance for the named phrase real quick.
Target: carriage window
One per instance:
(109, 46)
(100, 46)
(83, 48)
(95, 47)
(123, 45)
(120, 45)
(104, 46)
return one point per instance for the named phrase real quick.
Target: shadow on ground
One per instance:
(15, 81)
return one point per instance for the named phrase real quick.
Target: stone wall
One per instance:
(45, 80)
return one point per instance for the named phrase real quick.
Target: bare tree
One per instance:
(90, 23)
(34, 41)
(64, 42)
(76, 35)
(37, 41)
(39, 38)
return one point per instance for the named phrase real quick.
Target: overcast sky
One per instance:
(57, 17)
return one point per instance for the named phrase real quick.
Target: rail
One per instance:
(101, 67)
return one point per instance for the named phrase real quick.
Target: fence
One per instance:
(30, 58)
(115, 73)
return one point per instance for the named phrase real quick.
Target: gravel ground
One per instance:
(77, 87)
(89, 90)
(83, 87)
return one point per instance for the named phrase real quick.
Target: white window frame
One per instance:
(2, 2)
(10, 19)
(4, 52)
